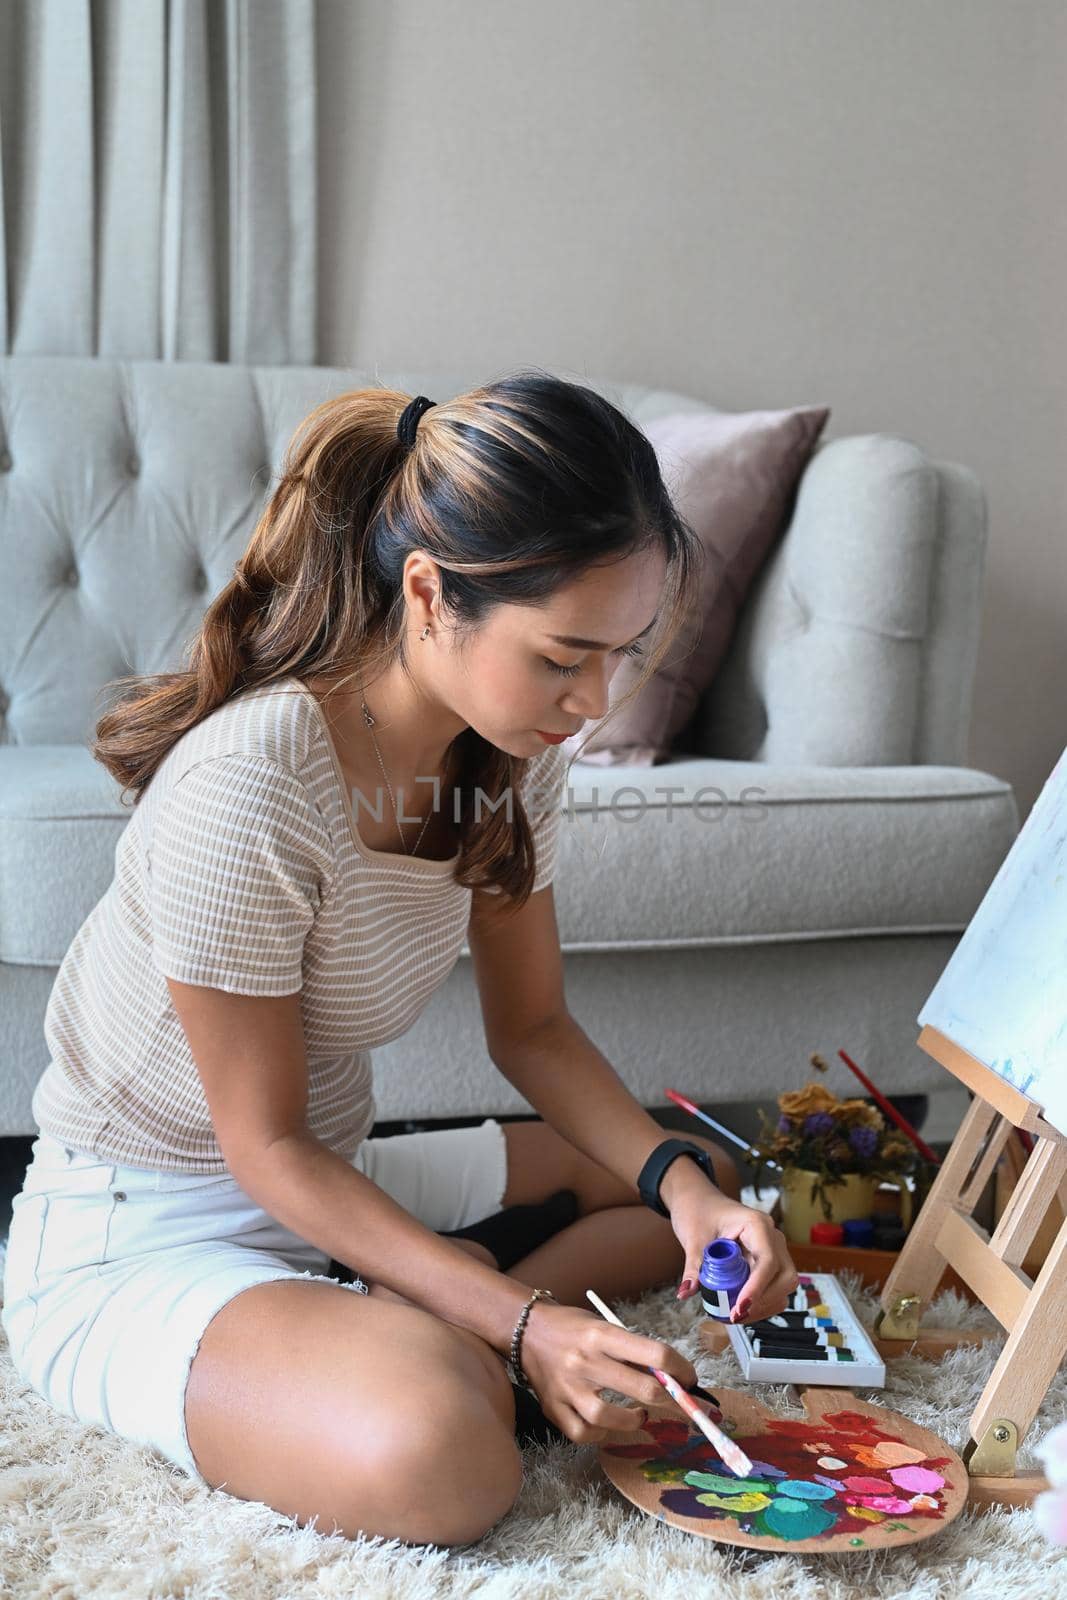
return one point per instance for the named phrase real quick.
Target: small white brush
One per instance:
(731, 1453)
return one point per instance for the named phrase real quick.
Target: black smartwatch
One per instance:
(651, 1175)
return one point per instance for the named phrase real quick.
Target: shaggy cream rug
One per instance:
(83, 1513)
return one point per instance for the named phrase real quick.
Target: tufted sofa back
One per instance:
(129, 489)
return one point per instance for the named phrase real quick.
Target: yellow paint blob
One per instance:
(753, 1501)
(868, 1513)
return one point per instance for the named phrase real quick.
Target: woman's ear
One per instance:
(422, 587)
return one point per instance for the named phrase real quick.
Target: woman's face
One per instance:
(516, 677)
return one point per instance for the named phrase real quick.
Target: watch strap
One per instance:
(651, 1175)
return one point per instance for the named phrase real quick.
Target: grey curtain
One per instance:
(158, 168)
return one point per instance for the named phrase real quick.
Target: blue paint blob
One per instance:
(790, 1507)
(686, 1504)
(801, 1489)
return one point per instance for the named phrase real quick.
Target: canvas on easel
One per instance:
(1003, 995)
(997, 1020)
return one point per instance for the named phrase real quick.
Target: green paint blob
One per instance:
(718, 1485)
(662, 1472)
(796, 1519)
(855, 1541)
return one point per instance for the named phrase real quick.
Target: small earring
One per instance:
(425, 631)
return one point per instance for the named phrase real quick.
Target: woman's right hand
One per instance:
(569, 1354)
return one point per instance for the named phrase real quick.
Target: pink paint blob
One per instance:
(917, 1480)
(887, 1502)
(867, 1485)
(1050, 1515)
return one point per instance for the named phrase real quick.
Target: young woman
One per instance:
(424, 610)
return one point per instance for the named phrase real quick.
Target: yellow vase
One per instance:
(852, 1197)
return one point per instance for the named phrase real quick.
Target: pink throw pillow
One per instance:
(733, 477)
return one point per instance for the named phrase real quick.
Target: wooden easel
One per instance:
(1032, 1313)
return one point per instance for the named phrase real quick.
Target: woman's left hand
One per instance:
(703, 1214)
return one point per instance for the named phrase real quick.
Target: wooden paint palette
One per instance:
(848, 1476)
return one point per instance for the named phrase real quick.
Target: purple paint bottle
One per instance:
(723, 1271)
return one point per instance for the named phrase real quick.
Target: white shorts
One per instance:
(113, 1273)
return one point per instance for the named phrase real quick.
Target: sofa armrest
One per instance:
(857, 643)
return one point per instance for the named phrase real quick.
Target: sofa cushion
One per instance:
(733, 477)
(60, 820)
(693, 852)
(735, 852)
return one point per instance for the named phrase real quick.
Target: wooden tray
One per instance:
(872, 1266)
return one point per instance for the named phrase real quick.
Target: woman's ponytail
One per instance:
(514, 489)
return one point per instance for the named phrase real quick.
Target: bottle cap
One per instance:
(827, 1233)
(723, 1265)
(884, 1222)
(859, 1231)
(889, 1238)
(723, 1270)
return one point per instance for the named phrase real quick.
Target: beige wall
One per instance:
(759, 202)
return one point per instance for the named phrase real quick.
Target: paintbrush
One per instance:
(891, 1112)
(687, 1105)
(731, 1453)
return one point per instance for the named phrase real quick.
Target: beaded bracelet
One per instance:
(513, 1364)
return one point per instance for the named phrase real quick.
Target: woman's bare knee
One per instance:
(456, 1465)
(362, 1415)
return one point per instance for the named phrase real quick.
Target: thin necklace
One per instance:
(369, 720)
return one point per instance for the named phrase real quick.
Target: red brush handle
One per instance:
(891, 1111)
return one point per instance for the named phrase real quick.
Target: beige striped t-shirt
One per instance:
(242, 869)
